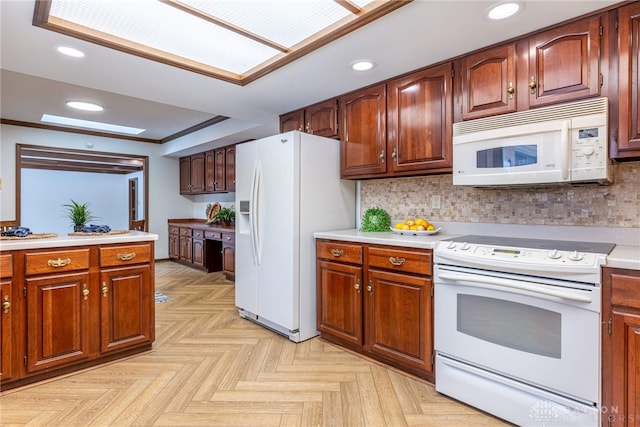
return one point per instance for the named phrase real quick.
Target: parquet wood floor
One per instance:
(211, 368)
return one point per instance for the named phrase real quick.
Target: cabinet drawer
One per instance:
(174, 230)
(198, 234)
(6, 266)
(400, 259)
(625, 290)
(228, 238)
(123, 255)
(185, 231)
(56, 261)
(344, 252)
(214, 235)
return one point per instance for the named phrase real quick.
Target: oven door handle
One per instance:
(506, 283)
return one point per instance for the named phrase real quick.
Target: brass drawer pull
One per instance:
(126, 256)
(56, 263)
(397, 261)
(337, 252)
(6, 305)
(85, 292)
(228, 237)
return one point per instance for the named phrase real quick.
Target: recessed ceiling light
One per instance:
(70, 51)
(68, 121)
(362, 65)
(84, 106)
(504, 10)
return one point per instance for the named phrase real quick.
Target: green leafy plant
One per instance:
(225, 216)
(79, 214)
(376, 219)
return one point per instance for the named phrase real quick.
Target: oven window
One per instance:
(507, 157)
(510, 324)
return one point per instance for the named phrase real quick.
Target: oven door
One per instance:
(539, 333)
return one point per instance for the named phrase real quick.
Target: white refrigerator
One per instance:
(288, 186)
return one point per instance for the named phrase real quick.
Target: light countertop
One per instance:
(66, 241)
(626, 253)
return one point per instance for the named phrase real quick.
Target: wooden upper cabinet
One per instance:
(419, 121)
(488, 82)
(628, 140)
(209, 171)
(563, 64)
(322, 119)
(219, 183)
(318, 119)
(363, 138)
(197, 173)
(185, 175)
(230, 168)
(292, 121)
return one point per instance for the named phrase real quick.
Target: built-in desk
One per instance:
(195, 243)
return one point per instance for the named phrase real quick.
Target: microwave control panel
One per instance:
(590, 154)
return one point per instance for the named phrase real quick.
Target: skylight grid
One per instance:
(286, 22)
(158, 26)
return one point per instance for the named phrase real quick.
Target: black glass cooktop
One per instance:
(517, 242)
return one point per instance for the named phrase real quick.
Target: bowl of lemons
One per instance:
(414, 227)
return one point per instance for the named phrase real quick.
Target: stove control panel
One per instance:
(520, 255)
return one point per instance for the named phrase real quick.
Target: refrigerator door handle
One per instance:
(255, 229)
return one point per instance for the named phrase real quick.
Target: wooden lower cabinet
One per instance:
(621, 347)
(74, 308)
(58, 313)
(377, 300)
(229, 255)
(7, 314)
(125, 307)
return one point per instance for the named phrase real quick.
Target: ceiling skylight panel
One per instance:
(286, 22)
(158, 26)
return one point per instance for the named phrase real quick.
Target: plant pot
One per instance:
(78, 227)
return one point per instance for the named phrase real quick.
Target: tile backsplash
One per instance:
(616, 205)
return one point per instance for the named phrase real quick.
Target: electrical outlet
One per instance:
(435, 201)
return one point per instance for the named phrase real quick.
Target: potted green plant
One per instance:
(79, 214)
(225, 216)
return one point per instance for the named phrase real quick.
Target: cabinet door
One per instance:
(292, 121)
(364, 132)
(210, 171)
(564, 64)
(339, 301)
(197, 173)
(229, 260)
(7, 370)
(57, 320)
(230, 168)
(625, 364)
(419, 121)
(185, 175)
(220, 173)
(186, 248)
(628, 141)
(197, 252)
(488, 81)
(174, 246)
(322, 119)
(125, 307)
(398, 313)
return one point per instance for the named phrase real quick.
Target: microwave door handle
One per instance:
(565, 147)
(506, 283)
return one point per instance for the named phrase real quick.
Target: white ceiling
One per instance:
(165, 100)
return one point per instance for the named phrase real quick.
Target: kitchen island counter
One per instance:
(66, 241)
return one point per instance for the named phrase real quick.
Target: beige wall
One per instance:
(616, 205)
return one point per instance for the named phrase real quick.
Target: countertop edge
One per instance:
(68, 241)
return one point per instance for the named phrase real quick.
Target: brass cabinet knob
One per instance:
(533, 84)
(105, 289)
(85, 292)
(370, 287)
(357, 285)
(6, 305)
(511, 90)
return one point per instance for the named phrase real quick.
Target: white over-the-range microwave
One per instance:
(565, 143)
